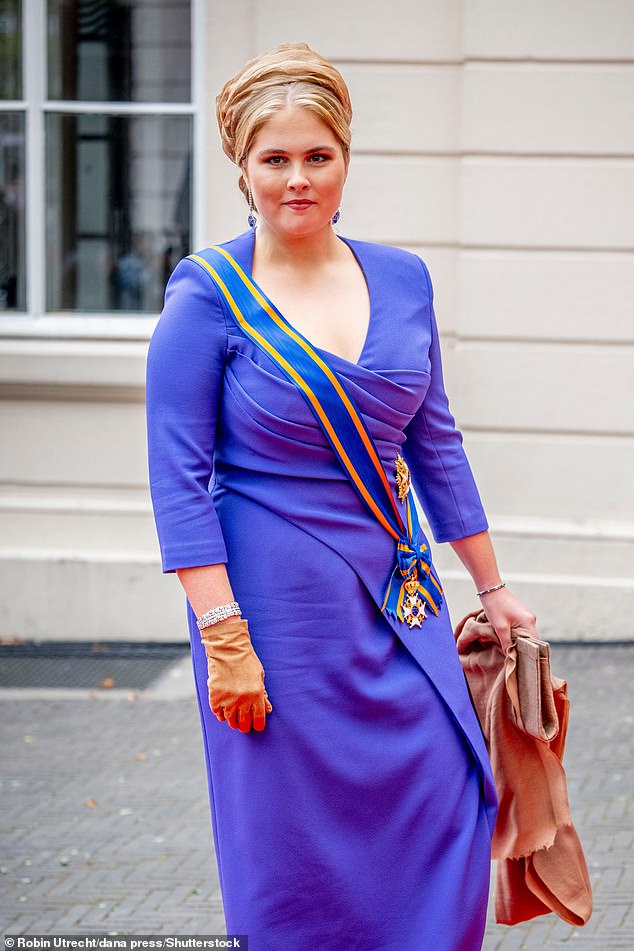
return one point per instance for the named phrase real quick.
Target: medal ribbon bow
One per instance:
(412, 584)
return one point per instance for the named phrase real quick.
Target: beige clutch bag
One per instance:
(534, 684)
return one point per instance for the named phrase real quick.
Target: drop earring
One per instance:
(336, 216)
(251, 219)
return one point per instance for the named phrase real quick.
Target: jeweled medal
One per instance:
(413, 606)
(403, 478)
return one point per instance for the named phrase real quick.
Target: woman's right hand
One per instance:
(236, 677)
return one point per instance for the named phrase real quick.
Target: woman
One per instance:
(351, 795)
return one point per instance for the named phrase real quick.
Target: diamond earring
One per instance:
(336, 216)
(251, 219)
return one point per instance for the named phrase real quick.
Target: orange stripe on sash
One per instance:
(301, 383)
(264, 303)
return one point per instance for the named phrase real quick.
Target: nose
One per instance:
(297, 179)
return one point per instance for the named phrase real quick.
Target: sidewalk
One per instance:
(105, 817)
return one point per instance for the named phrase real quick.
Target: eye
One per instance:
(318, 158)
(274, 160)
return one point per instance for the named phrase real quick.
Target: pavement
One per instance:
(105, 817)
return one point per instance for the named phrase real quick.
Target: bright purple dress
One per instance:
(361, 816)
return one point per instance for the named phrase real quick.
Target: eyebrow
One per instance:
(317, 148)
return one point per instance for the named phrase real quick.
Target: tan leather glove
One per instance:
(236, 677)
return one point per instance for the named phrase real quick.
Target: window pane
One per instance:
(10, 49)
(119, 50)
(118, 209)
(12, 246)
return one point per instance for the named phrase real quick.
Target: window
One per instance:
(99, 125)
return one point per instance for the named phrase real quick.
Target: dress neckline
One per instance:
(248, 263)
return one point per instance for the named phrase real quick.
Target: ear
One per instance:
(243, 181)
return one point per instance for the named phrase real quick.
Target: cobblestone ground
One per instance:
(105, 822)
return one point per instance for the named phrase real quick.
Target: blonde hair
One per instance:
(289, 74)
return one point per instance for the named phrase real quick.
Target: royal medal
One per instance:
(414, 611)
(414, 606)
(403, 478)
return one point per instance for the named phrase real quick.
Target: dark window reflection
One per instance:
(119, 50)
(12, 245)
(10, 49)
(118, 209)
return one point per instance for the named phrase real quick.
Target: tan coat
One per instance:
(540, 862)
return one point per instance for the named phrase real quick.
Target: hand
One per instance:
(506, 612)
(236, 677)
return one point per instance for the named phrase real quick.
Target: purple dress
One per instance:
(361, 816)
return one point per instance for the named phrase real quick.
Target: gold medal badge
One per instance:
(413, 606)
(403, 478)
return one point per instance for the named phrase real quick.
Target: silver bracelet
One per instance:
(496, 587)
(232, 609)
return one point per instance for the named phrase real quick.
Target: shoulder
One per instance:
(389, 257)
(192, 310)
(397, 270)
(241, 248)
(192, 278)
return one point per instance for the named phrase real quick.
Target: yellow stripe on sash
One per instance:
(301, 383)
(264, 303)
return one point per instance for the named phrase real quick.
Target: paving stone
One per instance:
(104, 810)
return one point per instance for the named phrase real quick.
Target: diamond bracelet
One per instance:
(218, 614)
(496, 587)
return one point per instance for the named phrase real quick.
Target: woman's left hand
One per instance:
(506, 612)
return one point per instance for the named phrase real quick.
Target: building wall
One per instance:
(495, 139)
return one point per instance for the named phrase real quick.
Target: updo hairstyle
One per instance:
(287, 75)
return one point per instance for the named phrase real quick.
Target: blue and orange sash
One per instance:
(413, 583)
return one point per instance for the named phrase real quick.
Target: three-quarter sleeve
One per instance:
(185, 367)
(441, 473)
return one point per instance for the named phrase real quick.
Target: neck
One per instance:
(308, 251)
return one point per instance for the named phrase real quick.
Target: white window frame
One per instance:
(36, 321)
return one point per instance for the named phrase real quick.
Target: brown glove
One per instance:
(236, 677)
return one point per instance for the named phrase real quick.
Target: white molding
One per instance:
(587, 582)
(74, 326)
(68, 364)
(109, 108)
(548, 528)
(121, 557)
(200, 121)
(55, 500)
(34, 72)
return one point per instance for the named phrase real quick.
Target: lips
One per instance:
(299, 205)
